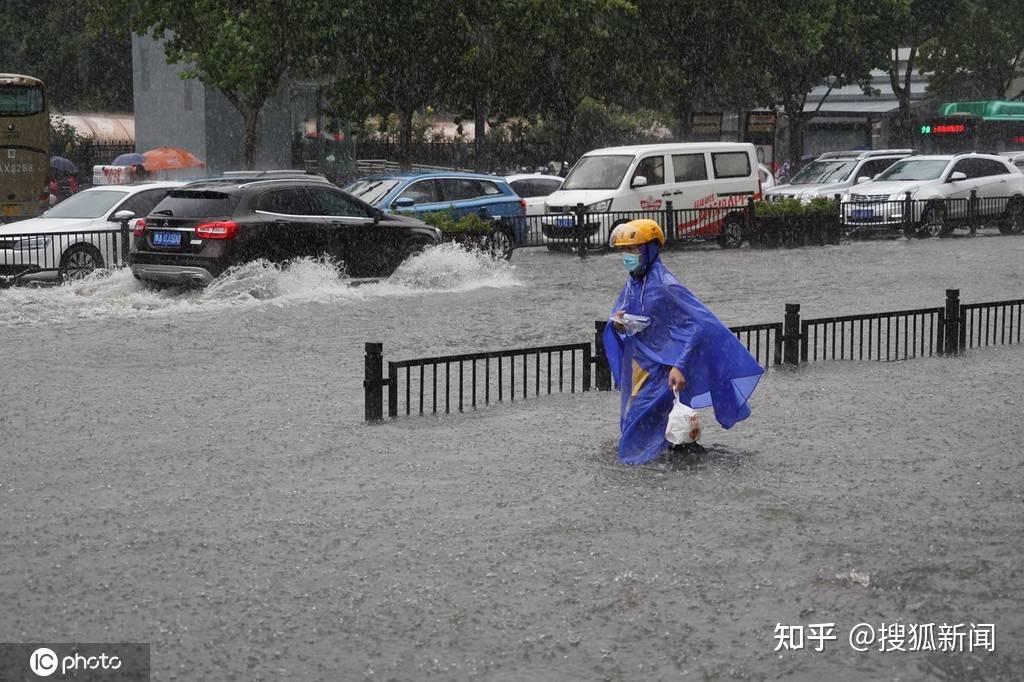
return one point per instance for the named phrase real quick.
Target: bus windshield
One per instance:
(598, 172)
(20, 100)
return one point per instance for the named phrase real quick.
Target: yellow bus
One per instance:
(24, 144)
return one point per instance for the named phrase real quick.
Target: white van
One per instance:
(708, 183)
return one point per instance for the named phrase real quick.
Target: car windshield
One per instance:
(598, 172)
(914, 169)
(821, 172)
(91, 204)
(372, 190)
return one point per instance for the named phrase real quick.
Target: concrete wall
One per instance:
(173, 112)
(169, 111)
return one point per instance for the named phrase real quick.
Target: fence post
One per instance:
(972, 212)
(602, 373)
(125, 243)
(750, 215)
(951, 334)
(670, 222)
(791, 335)
(373, 382)
(581, 245)
(908, 215)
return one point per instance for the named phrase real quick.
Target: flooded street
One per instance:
(191, 469)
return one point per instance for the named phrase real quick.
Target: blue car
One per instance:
(463, 193)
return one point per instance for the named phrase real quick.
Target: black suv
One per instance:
(201, 229)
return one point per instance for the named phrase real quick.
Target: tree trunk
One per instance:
(251, 115)
(479, 135)
(683, 128)
(796, 139)
(405, 138)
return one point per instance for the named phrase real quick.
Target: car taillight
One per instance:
(522, 204)
(222, 229)
(139, 228)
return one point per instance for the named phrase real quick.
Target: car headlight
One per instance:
(27, 243)
(600, 207)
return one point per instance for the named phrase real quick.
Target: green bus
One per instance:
(24, 144)
(992, 126)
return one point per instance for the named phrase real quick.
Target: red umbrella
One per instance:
(167, 158)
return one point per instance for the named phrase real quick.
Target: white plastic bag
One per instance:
(683, 424)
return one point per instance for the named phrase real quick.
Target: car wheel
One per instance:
(732, 232)
(934, 223)
(79, 262)
(500, 244)
(1013, 222)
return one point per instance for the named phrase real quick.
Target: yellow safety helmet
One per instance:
(637, 232)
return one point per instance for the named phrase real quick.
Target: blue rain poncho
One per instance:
(719, 371)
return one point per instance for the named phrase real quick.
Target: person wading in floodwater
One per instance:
(663, 339)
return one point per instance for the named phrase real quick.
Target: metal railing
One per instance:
(990, 324)
(66, 255)
(454, 382)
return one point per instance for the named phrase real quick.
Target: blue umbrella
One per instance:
(131, 159)
(62, 164)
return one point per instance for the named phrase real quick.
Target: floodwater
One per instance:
(190, 469)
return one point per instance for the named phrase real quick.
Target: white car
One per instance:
(1016, 158)
(78, 235)
(939, 189)
(534, 188)
(835, 173)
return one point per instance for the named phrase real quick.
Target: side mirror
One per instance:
(957, 176)
(404, 202)
(639, 181)
(862, 179)
(122, 216)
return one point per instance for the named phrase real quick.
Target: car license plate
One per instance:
(863, 213)
(10, 210)
(167, 239)
(565, 222)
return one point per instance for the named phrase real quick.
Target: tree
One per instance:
(908, 25)
(816, 42)
(683, 69)
(395, 56)
(83, 71)
(571, 52)
(242, 48)
(980, 54)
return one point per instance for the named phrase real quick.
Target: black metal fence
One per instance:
(454, 382)
(65, 255)
(579, 229)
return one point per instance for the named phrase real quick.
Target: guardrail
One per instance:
(886, 336)
(64, 255)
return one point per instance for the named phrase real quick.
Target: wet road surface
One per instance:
(191, 470)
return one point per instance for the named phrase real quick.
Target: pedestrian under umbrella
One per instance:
(663, 339)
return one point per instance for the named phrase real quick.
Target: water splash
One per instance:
(447, 268)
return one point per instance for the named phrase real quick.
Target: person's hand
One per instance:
(676, 381)
(618, 325)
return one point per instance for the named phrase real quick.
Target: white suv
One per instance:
(835, 173)
(939, 189)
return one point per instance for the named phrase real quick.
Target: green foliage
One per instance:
(82, 70)
(792, 207)
(448, 224)
(980, 54)
(65, 140)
